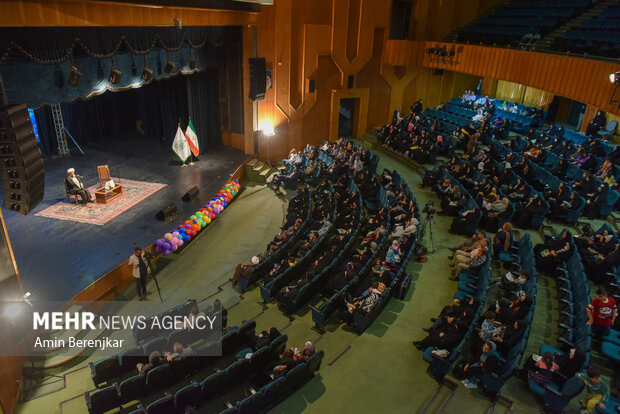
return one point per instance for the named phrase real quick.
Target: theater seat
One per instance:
(611, 406)
(186, 396)
(555, 401)
(164, 405)
(273, 391)
(213, 385)
(159, 377)
(132, 389)
(102, 400)
(158, 344)
(251, 404)
(104, 370)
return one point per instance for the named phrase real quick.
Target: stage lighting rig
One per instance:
(169, 68)
(74, 77)
(192, 60)
(147, 73)
(115, 74)
(614, 77)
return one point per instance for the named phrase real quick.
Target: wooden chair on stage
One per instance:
(69, 195)
(104, 174)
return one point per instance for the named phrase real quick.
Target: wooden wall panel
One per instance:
(23, 13)
(584, 80)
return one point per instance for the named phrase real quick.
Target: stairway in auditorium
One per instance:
(546, 43)
(259, 171)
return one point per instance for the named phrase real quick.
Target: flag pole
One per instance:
(184, 165)
(191, 154)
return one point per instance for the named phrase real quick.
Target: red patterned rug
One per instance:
(134, 192)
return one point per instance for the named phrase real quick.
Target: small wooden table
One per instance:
(102, 196)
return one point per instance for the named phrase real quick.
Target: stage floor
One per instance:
(58, 258)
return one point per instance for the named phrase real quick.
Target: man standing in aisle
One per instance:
(140, 269)
(602, 314)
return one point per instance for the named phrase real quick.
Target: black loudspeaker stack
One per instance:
(258, 79)
(21, 165)
(167, 213)
(191, 194)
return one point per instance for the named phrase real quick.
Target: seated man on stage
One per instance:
(75, 186)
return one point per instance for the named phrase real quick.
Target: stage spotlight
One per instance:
(115, 75)
(269, 131)
(147, 73)
(74, 77)
(192, 61)
(614, 77)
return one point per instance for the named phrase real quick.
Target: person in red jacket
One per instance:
(602, 313)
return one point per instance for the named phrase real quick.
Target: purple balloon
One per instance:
(167, 246)
(166, 252)
(159, 242)
(158, 249)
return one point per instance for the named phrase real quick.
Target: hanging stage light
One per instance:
(192, 60)
(74, 76)
(115, 75)
(147, 73)
(169, 68)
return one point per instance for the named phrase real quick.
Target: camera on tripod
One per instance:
(429, 208)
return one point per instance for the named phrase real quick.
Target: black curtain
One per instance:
(160, 106)
(204, 108)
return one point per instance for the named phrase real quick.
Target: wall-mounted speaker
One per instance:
(258, 79)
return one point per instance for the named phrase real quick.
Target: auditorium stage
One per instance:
(58, 258)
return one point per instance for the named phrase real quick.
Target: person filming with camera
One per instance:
(140, 269)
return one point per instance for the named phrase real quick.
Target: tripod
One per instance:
(157, 286)
(427, 223)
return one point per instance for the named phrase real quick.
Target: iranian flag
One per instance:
(192, 139)
(179, 145)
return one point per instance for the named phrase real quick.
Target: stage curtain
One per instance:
(536, 97)
(204, 109)
(510, 91)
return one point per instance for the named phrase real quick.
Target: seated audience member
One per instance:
(445, 333)
(305, 353)
(512, 280)
(552, 253)
(366, 304)
(287, 361)
(194, 313)
(154, 360)
(490, 327)
(511, 336)
(486, 363)
(291, 178)
(472, 260)
(516, 310)
(592, 209)
(177, 351)
(464, 218)
(503, 239)
(470, 243)
(535, 206)
(542, 373)
(393, 256)
(244, 269)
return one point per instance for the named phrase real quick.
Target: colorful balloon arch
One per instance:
(198, 221)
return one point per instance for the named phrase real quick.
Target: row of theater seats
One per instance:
(307, 291)
(519, 122)
(141, 335)
(271, 288)
(472, 224)
(574, 296)
(363, 321)
(509, 23)
(266, 264)
(244, 372)
(122, 366)
(599, 36)
(520, 257)
(473, 284)
(547, 180)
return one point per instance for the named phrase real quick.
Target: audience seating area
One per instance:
(508, 24)
(598, 36)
